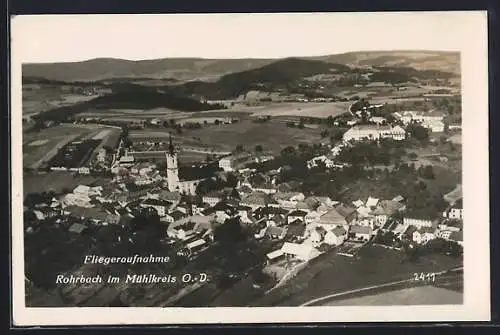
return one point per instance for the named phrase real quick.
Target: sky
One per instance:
(66, 38)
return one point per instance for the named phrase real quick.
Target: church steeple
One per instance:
(171, 148)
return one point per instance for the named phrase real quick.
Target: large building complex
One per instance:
(374, 132)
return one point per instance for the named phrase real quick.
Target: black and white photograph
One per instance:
(336, 163)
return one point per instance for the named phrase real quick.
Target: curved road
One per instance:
(321, 300)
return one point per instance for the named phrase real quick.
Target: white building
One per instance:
(336, 236)
(419, 223)
(374, 132)
(101, 155)
(431, 120)
(303, 251)
(423, 235)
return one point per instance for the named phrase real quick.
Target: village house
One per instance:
(196, 245)
(256, 200)
(312, 217)
(385, 209)
(332, 219)
(161, 206)
(360, 233)
(224, 211)
(378, 120)
(296, 215)
(288, 200)
(303, 252)
(174, 216)
(323, 159)
(296, 231)
(455, 211)
(423, 235)
(275, 256)
(317, 236)
(451, 225)
(97, 215)
(213, 197)
(274, 232)
(336, 236)
(348, 213)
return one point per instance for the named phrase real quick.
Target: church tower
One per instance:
(172, 169)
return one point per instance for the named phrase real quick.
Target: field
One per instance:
(423, 295)
(38, 98)
(331, 273)
(56, 181)
(40, 147)
(272, 135)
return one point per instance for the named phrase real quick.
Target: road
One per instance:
(443, 278)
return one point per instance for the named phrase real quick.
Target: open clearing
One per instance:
(423, 295)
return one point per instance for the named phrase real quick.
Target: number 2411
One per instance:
(429, 276)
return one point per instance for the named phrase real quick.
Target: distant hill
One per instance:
(420, 60)
(182, 69)
(279, 74)
(198, 69)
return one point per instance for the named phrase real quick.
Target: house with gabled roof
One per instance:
(317, 236)
(336, 236)
(385, 209)
(348, 213)
(296, 215)
(304, 252)
(257, 199)
(360, 233)
(274, 232)
(332, 219)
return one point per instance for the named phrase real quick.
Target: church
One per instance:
(175, 183)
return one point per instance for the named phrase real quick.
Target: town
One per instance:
(253, 217)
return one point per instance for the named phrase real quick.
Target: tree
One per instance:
(428, 172)
(288, 152)
(418, 132)
(239, 148)
(230, 232)
(259, 148)
(324, 133)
